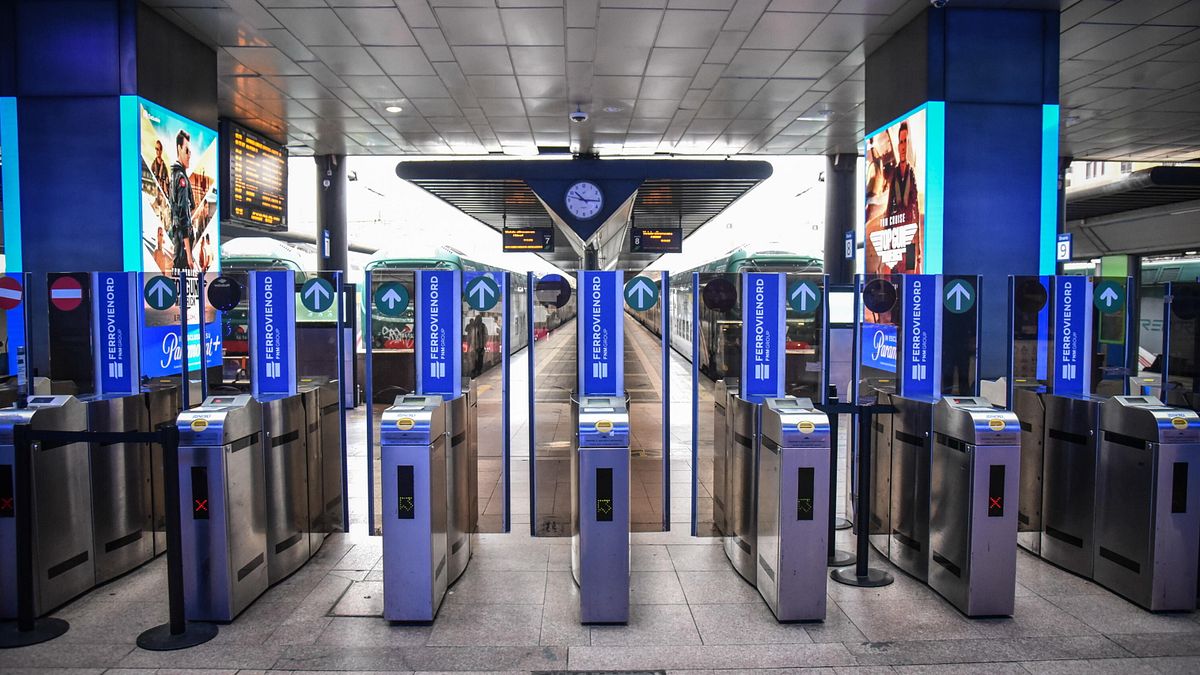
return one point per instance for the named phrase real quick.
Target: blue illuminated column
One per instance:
(974, 94)
(764, 320)
(601, 334)
(439, 333)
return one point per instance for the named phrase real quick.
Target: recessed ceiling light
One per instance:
(394, 109)
(612, 109)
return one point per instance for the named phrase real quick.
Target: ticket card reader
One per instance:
(63, 553)
(1148, 502)
(973, 522)
(793, 508)
(600, 513)
(413, 448)
(223, 506)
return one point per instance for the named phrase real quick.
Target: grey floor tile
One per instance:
(560, 625)
(362, 598)
(907, 619)
(209, 655)
(487, 625)
(511, 556)
(748, 623)
(992, 650)
(255, 625)
(1161, 644)
(321, 600)
(1175, 665)
(372, 632)
(649, 558)
(725, 586)
(303, 632)
(837, 627)
(731, 657)
(1045, 579)
(650, 625)
(106, 620)
(698, 558)
(1091, 667)
(962, 669)
(503, 587)
(655, 588)
(1109, 613)
(59, 654)
(1033, 616)
(409, 659)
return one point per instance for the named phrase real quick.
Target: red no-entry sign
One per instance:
(10, 293)
(66, 294)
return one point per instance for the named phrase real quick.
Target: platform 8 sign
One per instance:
(115, 332)
(273, 332)
(439, 333)
(601, 336)
(920, 337)
(1072, 331)
(763, 327)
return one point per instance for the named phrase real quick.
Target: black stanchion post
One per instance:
(178, 633)
(27, 629)
(862, 575)
(836, 558)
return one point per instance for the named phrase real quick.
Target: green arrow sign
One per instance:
(804, 297)
(1109, 296)
(317, 295)
(482, 293)
(959, 296)
(641, 293)
(391, 299)
(160, 292)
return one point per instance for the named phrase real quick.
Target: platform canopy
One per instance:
(660, 193)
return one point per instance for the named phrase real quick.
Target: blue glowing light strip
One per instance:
(1049, 211)
(131, 185)
(11, 184)
(935, 184)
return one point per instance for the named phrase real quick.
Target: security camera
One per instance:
(578, 117)
(938, 4)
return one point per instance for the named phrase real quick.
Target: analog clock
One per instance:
(584, 200)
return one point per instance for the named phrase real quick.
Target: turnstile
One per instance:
(285, 449)
(722, 391)
(315, 506)
(1031, 412)
(223, 506)
(907, 491)
(793, 509)
(162, 404)
(462, 475)
(1069, 482)
(413, 474)
(600, 508)
(1148, 502)
(741, 466)
(122, 498)
(63, 546)
(972, 525)
(330, 439)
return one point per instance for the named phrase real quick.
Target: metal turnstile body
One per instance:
(413, 475)
(461, 466)
(314, 531)
(330, 439)
(162, 404)
(122, 523)
(222, 507)
(793, 509)
(600, 509)
(973, 526)
(1069, 482)
(1148, 502)
(285, 450)
(880, 524)
(722, 440)
(1029, 408)
(911, 454)
(63, 546)
(741, 468)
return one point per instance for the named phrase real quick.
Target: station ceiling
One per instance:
(684, 76)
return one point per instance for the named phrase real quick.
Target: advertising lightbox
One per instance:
(895, 194)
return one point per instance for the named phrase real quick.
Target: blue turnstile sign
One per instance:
(439, 333)
(920, 348)
(1109, 296)
(641, 293)
(804, 297)
(272, 333)
(317, 295)
(483, 293)
(115, 334)
(763, 328)
(1071, 309)
(601, 334)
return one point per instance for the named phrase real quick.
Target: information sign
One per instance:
(439, 333)
(655, 239)
(601, 357)
(257, 170)
(1072, 335)
(920, 337)
(272, 332)
(115, 336)
(763, 328)
(529, 239)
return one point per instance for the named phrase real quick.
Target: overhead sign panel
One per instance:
(529, 239)
(656, 239)
(257, 172)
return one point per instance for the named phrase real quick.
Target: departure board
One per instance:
(256, 195)
(529, 239)
(655, 239)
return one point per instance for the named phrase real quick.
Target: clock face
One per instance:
(584, 200)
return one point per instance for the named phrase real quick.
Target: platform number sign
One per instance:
(482, 293)
(1109, 296)
(959, 296)
(316, 295)
(641, 293)
(1062, 249)
(804, 297)
(849, 252)
(391, 299)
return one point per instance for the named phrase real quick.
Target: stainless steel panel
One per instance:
(721, 443)
(1147, 525)
(63, 553)
(314, 524)
(122, 525)
(458, 488)
(880, 534)
(1069, 482)
(741, 469)
(1031, 411)
(911, 459)
(287, 485)
(162, 403)
(331, 456)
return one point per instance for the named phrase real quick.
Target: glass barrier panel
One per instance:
(553, 385)
(716, 299)
(483, 341)
(644, 386)
(1183, 345)
(804, 348)
(1030, 307)
(960, 334)
(390, 296)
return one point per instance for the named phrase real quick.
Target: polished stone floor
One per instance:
(516, 608)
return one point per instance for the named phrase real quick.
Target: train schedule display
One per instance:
(529, 239)
(656, 239)
(257, 173)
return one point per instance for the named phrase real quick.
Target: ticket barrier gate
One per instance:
(1147, 528)
(286, 461)
(723, 391)
(1030, 409)
(741, 462)
(413, 447)
(904, 452)
(222, 479)
(162, 405)
(328, 488)
(462, 475)
(600, 516)
(793, 532)
(972, 525)
(63, 542)
(1069, 481)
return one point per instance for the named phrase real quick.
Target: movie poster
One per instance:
(895, 197)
